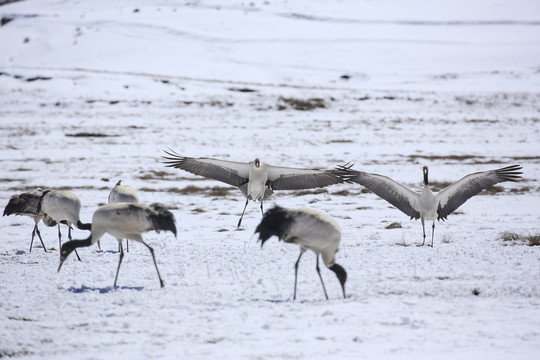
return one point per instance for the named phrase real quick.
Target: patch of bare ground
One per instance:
(154, 175)
(342, 193)
(527, 158)
(90, 134)
(311, 192)
(300, 104)
(5, 180)
(488, 121)
(512, 239)
(212, 103)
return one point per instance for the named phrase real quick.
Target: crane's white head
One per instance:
(425, 171)
(257, 162)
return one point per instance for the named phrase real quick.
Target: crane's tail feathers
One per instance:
(49, 221)
(162, 218)
(276, 221)
(15, 205)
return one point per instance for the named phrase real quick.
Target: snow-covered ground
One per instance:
(93, 91)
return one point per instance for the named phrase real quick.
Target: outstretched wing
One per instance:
(230, 172)
(287, 178)
(396, 194)
(453, 196)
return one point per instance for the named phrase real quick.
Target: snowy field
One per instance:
(92, 92)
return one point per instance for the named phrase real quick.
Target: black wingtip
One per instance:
(510, 173)
(173, 159)
(345, 172)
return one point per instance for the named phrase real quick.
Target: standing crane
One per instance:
(124, 221)
(256, 179)
(122, 193)
(63, 207)
(429, 205)
(28, 204)
(308, 229)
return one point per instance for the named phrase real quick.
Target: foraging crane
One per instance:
(256, 179)
(63, 207)
(429, 205)
(309, 229)
(124, 221)
(27, 204)
(122, 193)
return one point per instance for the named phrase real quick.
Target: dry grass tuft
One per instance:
(300, 104)
(403, 243)
(394, 225)
(512, 239)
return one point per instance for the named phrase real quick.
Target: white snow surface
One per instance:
(450, 84)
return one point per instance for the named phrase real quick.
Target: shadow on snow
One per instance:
(104, 290)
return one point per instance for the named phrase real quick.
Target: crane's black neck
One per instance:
(41, 199)
(426, 182)
(341, 275)
(68, 247)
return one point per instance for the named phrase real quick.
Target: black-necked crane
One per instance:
(256, 179)
(63, 207)
(308, 229)
(124, 221)
(428, 205)
(28, 204)
(122, 193)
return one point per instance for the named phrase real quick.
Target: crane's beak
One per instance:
(63, 256)
(257, 162)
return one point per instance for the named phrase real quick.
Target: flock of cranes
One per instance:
(124, 218)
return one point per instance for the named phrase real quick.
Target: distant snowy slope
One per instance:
(385, 45)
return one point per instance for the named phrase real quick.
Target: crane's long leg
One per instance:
(99, 244)
(60, 240)
(119, 263)
(424, 232)
(154, 258)
(240, 221)
(296, 273)
(127, 245)
(34, 232)
(262, 211)
(432, 232)
(320, 277)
